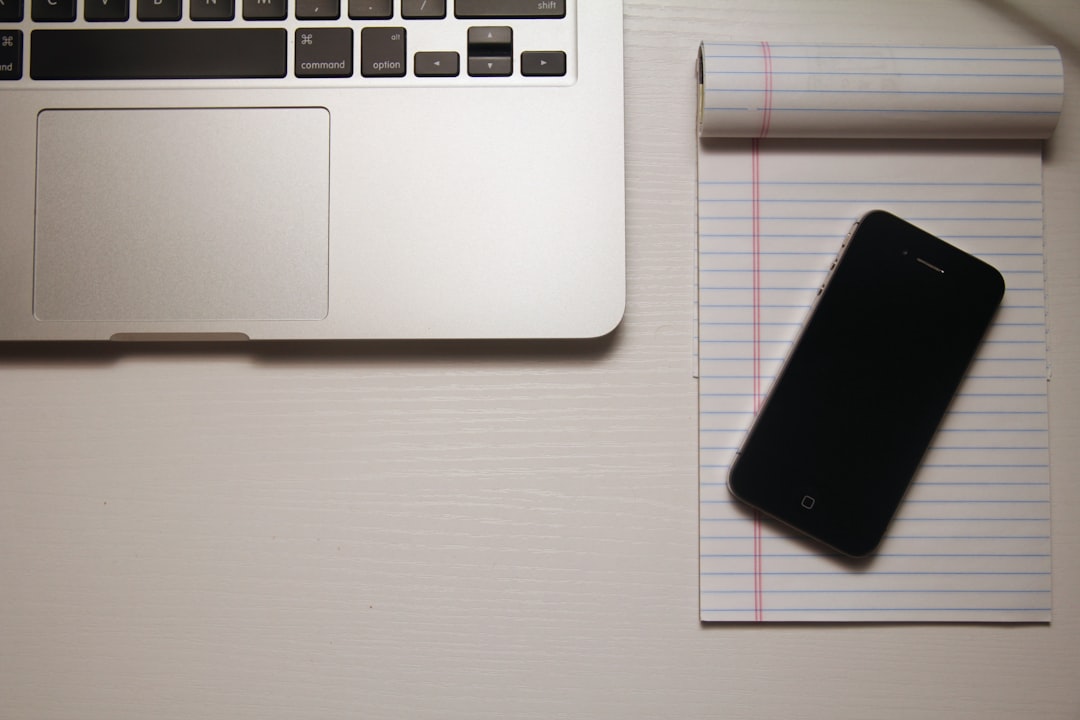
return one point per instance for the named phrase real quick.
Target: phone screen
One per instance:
(847, 421)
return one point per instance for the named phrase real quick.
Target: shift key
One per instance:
(382, 52)
(493, 9)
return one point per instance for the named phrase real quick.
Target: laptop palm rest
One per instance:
(195, 214)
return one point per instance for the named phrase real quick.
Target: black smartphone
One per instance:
(847, 420)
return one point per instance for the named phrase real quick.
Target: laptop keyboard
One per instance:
(369, 42)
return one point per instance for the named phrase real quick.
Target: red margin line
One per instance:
(766, 110)
(766, 121)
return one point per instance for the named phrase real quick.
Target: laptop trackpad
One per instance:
(201, 214)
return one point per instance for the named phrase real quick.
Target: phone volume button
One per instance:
(851, 232)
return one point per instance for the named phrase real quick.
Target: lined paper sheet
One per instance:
(971, 541)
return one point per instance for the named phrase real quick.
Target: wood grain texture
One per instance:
(480, 530)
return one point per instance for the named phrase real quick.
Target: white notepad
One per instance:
(904, 130)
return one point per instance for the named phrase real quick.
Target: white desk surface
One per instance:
(481, 530)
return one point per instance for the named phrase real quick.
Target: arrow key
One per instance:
(490, 40)
(543, 64)
(491, 51)
(436, 64)
(491, 66)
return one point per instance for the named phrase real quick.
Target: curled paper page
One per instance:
(761, 89)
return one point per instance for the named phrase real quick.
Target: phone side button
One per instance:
(808, 502)
(854, 227)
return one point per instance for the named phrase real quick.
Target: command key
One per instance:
(10, 54)
(324, 52)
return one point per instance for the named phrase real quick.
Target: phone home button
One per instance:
(808, 502)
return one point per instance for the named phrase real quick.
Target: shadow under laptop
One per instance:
(308, 352)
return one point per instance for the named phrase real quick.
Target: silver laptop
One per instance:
(294, 169)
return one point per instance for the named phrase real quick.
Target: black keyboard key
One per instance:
(10, 54)
(212, 10)
(158, 10)
(510, 8)
(492, 66)
(158, 54)
(52, 10)
(106, 10)
(11, 10)
(436, 64)
(324, 52)
(382, 52)
(423, 9)
(371, 9)
(266, 9)
(543, 64)
(491, 40)
(491, 51)
(319, 10)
